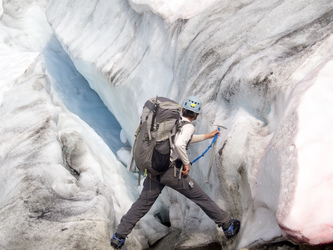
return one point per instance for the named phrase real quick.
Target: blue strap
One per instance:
(214, 139)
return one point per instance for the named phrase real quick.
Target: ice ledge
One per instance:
(171, 10)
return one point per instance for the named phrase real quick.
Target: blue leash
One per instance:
(214, 139)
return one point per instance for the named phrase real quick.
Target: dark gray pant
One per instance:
(152, 189)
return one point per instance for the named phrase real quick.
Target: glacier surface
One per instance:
(263, 69)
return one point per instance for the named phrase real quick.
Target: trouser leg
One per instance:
(148, 196)
(195, 194)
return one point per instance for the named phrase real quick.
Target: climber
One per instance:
(177, 177)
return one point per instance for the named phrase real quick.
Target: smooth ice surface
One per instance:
(314, 151)
(262, 68)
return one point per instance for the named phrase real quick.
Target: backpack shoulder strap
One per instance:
(182, 123)
(180, 126)
(176, 129)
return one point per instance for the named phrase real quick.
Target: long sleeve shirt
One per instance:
(182, 139)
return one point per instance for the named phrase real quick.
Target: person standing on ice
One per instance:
(153, 186)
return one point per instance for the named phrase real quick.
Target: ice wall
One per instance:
(257, 65)
(61, 186)
(263, 70)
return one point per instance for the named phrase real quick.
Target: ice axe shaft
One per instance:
(211, 161)
(213, 152)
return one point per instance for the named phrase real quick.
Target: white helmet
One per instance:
(193, 103)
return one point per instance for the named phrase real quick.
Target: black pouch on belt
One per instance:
(179, 163)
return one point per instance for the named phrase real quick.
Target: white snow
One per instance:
(262, 68)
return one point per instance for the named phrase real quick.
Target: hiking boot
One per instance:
(231, 228)
(117, 242)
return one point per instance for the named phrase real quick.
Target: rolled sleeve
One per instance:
(198, 138)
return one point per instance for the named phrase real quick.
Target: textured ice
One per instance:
(262, 68)
(173, 9)
(59, 179)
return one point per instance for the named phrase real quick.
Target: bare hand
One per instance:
(212, 134)
(186, 169)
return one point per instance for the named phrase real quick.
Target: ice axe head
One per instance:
(220, 126)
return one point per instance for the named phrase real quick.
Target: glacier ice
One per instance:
(262, 68)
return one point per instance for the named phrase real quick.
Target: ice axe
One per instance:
(213, 150)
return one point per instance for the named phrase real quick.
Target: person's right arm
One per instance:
(181, 142)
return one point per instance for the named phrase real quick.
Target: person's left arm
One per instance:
(202, 137)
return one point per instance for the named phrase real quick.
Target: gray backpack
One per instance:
(159, 122)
